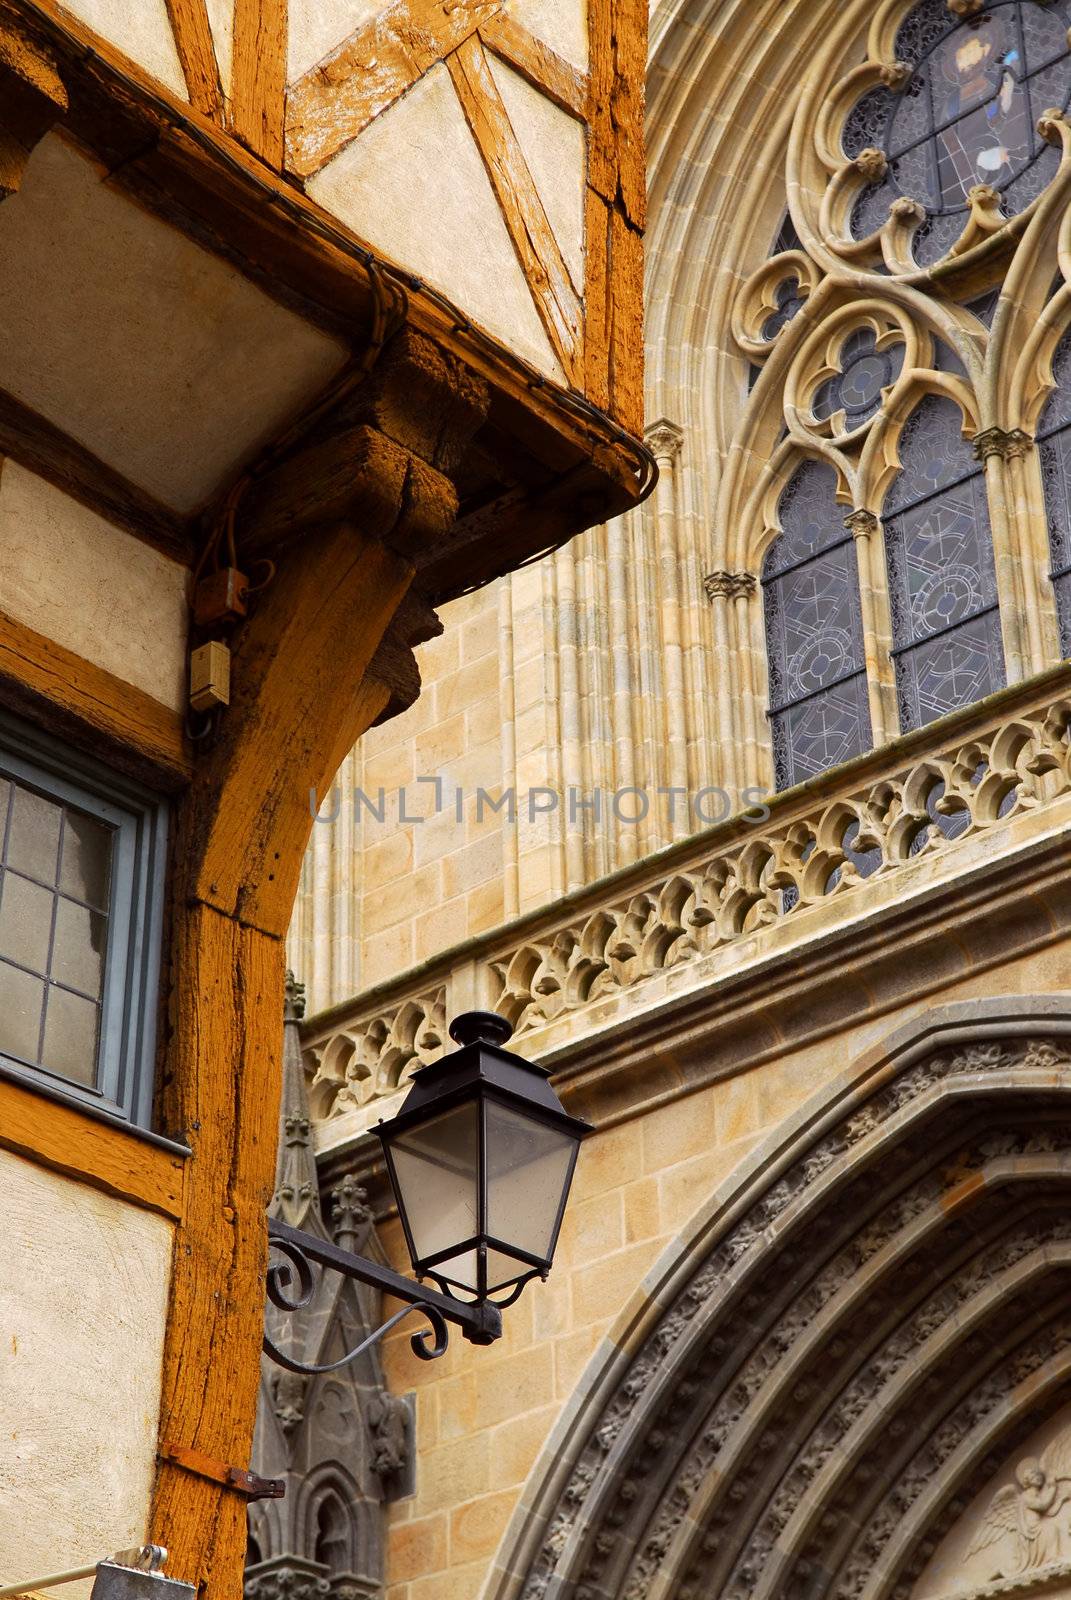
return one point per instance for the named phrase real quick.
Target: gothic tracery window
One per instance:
(818, 691)
(939, 152)
(942, 586)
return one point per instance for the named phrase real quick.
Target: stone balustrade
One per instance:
(886, 826)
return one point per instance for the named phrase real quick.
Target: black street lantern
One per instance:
(481, 1158)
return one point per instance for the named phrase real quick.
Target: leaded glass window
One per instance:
(942, 586)
(81, 863)
(819, 712)
(966, 116)
(1054, 443)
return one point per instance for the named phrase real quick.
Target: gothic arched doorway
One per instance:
(858, 1333)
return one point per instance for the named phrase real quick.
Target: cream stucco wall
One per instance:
(132, 611)
(142, 31)
(83, 1296)
(417, 161)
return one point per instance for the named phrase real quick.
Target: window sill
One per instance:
(91, 1147)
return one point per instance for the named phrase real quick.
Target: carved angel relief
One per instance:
(1028, 1523)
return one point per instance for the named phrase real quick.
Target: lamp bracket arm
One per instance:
(480, 1323)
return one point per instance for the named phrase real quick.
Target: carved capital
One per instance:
(664, 439)
(861, 524)
(728, 585)
(1010, 444)
(32, 98)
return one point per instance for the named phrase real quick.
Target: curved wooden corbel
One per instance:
(32, 99)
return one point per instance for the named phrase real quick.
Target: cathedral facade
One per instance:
(749, 810)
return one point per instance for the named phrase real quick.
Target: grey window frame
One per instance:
(126, 1045)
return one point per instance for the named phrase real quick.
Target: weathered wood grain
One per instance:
(94, 709)
(533, 237)
(341, 95)
(597, 299)
(547, 71)
(616, 160)
(302, 697)
(32, 98)
(197, 53)
(62, 1137)
(258, 77)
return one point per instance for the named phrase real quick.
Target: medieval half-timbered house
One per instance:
(776, 877)
(314, 314)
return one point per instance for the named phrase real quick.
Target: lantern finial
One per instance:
(480, 1027)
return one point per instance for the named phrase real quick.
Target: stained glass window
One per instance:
(967, 115)
(942, 586)
(1054, 444)
(857, 388)
(819, 712)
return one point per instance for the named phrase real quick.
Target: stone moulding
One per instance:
(876, 826)
(857, 1332)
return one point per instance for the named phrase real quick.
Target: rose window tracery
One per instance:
(965, 117)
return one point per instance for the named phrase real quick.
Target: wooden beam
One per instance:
(617, 169)
(301, 699)
(50, 685)
(337, 98)
(544, 69)
(56, 1134)
(533, 237)
(258, 77)
(357, 475)
(38, 444)
(295, 697)
(32, 99)
(616, 208)
(197, 53)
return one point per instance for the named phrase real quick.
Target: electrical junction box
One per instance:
(210, 676)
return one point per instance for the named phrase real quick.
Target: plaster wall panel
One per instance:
(317, 27)
(131, 614)
(158, 357)
(416, 164)
(553, 145)
(221, 21)
(142, 31)
(563, 24)
(80, 1365)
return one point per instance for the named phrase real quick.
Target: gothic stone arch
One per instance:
(868, 1319)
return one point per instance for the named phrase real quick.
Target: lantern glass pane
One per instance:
(435, 1168)
(528, 1169)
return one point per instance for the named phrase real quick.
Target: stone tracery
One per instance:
(945, 297)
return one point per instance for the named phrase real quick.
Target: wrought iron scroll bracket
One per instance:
(291, 1284)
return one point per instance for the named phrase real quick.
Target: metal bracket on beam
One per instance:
(248, 1484)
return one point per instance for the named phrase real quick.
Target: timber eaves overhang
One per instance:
(568, 464)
